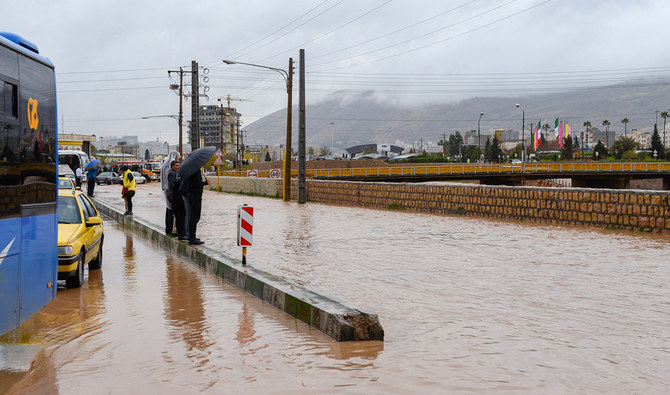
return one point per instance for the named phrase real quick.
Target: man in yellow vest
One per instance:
(128, 189)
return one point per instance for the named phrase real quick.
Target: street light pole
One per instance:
(523, 134)
(288, 78)
(479, 136)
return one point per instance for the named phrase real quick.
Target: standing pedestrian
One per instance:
(128, 190)
(191, 191)
(91, 174)
(178, 210)
(168, 191)
(77, 176)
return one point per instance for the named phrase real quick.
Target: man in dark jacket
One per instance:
(176, 210)
(192, 195)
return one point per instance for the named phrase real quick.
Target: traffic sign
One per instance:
(245, 225)
(252, 173)
(275, 173)
(218, 153)
(218, 161)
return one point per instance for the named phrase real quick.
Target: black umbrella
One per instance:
(195, 161)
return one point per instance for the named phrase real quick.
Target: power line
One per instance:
(273, 33)
(395, 31)
(331, 31)
(434, 43)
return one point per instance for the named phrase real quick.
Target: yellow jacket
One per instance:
(129, 180)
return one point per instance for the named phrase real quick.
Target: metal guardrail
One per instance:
(476, 169)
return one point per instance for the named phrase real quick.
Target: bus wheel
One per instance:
(78, 279)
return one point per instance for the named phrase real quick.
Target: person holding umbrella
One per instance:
(192, 181)
(92, 167)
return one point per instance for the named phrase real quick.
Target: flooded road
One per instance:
(466, 304)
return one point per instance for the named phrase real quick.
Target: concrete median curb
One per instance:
(335, 319)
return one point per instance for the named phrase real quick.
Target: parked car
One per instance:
(80, 237)
(108, 177)
(139, 179)
(66, 183)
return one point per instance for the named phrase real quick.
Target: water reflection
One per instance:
(246, 333)
(129, 265)
(185, 311)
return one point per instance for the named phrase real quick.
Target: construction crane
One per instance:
(228, 99)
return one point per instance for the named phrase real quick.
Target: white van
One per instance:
(73, 159)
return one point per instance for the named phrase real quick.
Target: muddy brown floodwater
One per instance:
(467, 305)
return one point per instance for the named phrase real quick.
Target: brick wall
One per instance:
(618, 209)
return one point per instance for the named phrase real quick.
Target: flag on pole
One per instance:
(567, 130)
(539, 133)
(561, 135)
(556, 130)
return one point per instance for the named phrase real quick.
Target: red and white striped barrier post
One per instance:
(245, 229)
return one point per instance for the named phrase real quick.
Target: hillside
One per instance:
(343, 120)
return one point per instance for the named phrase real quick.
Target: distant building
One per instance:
(641, 137)
(77, 142)
(219, 127)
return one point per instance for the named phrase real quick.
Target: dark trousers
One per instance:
(175, 217)
(129, 200)
(91, 186)
(78, 182)
(193, 205)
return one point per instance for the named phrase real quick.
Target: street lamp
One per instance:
(176, 118)
(523, 133)
(479, 137)
(288, 78)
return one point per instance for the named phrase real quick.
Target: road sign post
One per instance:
(218, 164)
(245, 229)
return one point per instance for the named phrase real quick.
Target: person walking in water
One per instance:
(92, 172)
(129, 189)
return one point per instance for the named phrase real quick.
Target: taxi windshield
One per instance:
(68, 210)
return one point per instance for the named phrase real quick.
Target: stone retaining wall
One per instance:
(618, 209)
(642, 210)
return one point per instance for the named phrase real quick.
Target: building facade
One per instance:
(220, 127)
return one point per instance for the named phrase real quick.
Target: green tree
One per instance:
(657, 144)
(568, 149)
(267, 156)
(665, 116)
(495, 152)
(624, 145)
(625, 122)
(601, 151)
(310, 150)
(455, 143)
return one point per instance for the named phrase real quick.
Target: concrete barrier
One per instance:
(335, 319)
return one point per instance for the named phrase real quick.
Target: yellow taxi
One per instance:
(66, 183)
(80, 236)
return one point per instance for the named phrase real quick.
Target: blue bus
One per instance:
(28, 181)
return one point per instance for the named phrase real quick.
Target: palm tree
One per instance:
(664, 115)
(587, 125)
(625, 122)
(607, 124)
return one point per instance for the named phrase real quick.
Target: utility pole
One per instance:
(195, 107)
(180, 119)
(289, 125)
(302, 183)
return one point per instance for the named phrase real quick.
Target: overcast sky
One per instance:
(112, 57)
